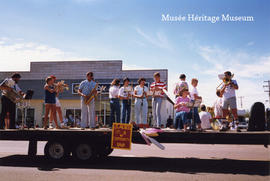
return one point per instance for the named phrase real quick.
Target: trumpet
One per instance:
(225, 81)
(61, 86)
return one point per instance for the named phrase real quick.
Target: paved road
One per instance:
(177, 162)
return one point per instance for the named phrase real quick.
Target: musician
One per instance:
(229, 98)
(9, 84)
(141, 105)
(157, 88)
(57, 107)
(194, 95)
(86, 88)
(218, 106)
(181, 110)
(180, 85)
(125, 94)
(50, 107)
(114, 101)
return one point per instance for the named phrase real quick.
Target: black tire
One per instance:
(257, 117)
(84, 152)
(104, 151)
(268, 119)
(56, 150)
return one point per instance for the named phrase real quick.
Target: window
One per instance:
(73, 117)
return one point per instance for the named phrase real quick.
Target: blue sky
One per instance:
(132, 31)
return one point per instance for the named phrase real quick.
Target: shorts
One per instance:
(49, 101)
(229, 102)
(57, 102)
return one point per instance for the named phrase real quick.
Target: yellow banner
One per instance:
(121, 136)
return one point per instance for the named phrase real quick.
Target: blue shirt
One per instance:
(87, 86)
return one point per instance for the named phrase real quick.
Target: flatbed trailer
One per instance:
(89, 144)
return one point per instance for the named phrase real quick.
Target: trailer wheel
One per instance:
(105, 151)
(56, 150)
(83, 152)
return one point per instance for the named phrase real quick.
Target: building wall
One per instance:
(77, 70)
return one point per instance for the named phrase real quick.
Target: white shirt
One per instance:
(218, 107)
(113, 92)
(125, 91)
(229, 90)
(193, 92)
(205, 119)
(140, 90)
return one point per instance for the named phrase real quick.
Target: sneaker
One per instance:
(62, 125)
(232, 128)
(51, 126)
(223, 128)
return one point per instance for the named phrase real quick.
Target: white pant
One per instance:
(141, 108)
(156, 107)
(88, 114)
(57, 102)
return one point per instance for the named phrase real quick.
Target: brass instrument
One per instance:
(129, 91)
(61, 86)
(92, 94)
(225, 81)
(13, 96)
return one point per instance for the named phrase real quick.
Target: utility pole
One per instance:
(241, 100)
(267, 89)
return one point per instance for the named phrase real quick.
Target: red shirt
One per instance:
(160, 85)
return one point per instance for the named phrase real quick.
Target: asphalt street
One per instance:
(176, 162)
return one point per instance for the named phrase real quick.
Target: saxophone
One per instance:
(91, 96)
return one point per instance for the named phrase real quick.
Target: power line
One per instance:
(241, 100)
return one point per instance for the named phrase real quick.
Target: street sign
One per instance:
(121, 136)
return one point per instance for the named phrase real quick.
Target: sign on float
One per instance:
(121, 136)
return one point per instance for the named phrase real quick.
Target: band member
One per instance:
(182, 110)
(194, 95)
(180, 85)
(229, 98)
(50, 93)
(9, 85)
(206, 118)
(114, 101)
(141, 105)
(57, 106)
(86, 88)
(125, 94)
(218, 106)
(157, 88)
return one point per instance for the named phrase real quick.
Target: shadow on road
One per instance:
(150, 164)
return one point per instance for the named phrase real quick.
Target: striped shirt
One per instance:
(160, 85)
